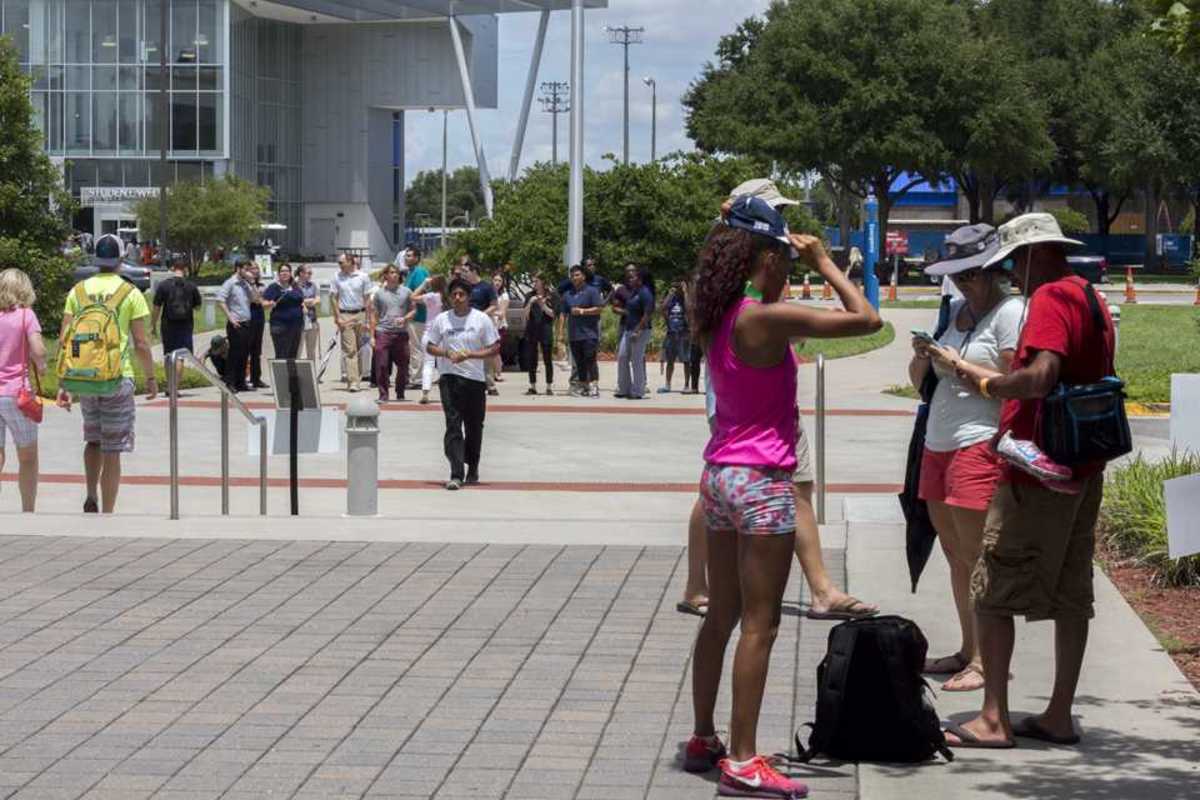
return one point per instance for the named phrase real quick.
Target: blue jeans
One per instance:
(631, 363)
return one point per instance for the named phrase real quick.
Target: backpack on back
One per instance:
(871, 697)
(89, 356)
(178, 307)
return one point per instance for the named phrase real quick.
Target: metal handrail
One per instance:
(227, 395)
(820, 448)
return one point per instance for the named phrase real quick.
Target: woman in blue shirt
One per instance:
(285, 298)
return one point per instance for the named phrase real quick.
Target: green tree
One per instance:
(423, 198)
(222, 213)
(857, 90)
(1178, 24)
(34, 206)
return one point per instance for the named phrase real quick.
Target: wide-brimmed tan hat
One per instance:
(764, 189)
(1027, 229)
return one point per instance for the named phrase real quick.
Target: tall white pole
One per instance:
(445, 148)
(575, 193)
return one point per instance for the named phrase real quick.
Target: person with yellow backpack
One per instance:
(104, 325)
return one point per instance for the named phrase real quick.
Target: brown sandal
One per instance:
(946, 665)
(970, 669)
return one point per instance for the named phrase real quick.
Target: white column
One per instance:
(530, 84)
(575, 194)
(485, 180)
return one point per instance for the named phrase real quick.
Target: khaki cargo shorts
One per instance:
(804, 461)
(1037, 553)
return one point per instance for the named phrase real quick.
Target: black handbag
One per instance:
(1087, 423)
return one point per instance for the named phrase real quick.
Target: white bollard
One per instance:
(1115, 311)
(210, 312)
(362, 458)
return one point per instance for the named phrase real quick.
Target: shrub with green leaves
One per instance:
(1133, 519)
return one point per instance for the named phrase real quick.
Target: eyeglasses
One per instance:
(969, 276)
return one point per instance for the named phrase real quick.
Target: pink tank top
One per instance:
(756, 420)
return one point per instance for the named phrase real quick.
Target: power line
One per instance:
(555, 100)
(625, 36)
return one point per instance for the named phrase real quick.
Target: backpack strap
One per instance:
(831, 694)
(1098, 320)
(116, 298)
(889, 648)
(81, 295)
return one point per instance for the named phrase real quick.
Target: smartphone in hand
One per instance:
(924, 336)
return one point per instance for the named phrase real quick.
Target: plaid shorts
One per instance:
(108, 419)
(24, 430)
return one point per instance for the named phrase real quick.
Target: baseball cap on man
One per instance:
(1029, 229)
(756, 215)
(968, 247)
(765, 189)
(108, 251)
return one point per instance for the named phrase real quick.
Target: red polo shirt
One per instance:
(1059, 319)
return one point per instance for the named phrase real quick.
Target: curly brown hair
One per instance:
(722, 269)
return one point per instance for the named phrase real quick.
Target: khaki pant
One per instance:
(312, 343)
(355, 327)
(416, 351)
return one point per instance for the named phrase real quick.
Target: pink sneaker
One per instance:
(702, 754)
(1028, 457)
(757, 778)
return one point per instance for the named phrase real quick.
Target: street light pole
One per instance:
(163, 131)
(625, 36)
(445, 141)
(653, 84)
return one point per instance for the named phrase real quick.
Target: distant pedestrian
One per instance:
(483, 298)
(417, 275)
(348, 293)
(677, 344)
(500, 318)
(540, 310)
(592, 277)
(463, 339)
(583, 305)
(22, 356)
(285, 298)
(106, 401)
(431, 296)
(635, 335)
(311, 336)
(392, 309)
(175, 302)
(217, 354)
(234, 298)
(258, 326)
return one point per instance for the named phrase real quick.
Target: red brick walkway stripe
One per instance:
(409, 485)
(498, 408)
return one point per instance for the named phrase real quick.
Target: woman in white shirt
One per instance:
(432, 293)
(500, 318)
(959, 470)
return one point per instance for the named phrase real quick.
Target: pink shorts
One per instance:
(749, 500)
(964, 478)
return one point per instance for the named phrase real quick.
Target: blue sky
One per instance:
(681, 35)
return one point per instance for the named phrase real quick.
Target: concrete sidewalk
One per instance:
(1138, 715)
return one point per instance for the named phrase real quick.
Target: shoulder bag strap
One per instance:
(1098, 320)
(31, 374)
(116, 298)
(81, 296)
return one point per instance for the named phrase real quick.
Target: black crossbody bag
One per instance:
(1087, 422)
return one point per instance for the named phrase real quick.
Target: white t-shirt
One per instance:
(958, 415)
(502, 303)
(351, 291)
(475, 331)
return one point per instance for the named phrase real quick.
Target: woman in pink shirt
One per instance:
(746, 487)
(20, 344)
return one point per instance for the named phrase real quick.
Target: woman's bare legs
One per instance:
(961, 546)
(696, 591)
(27, 476)
(826, 596)
(724, 610)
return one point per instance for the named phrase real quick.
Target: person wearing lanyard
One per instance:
(286, 300)
(349, 290)
(234, 298)
(391, 308)
(312, 327)
(258, 324)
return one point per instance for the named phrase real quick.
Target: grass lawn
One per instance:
(912, 304)
(844, 348)
(190, 379)
(1156, 341)
(903, 390)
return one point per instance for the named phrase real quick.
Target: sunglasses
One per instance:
(969, 276)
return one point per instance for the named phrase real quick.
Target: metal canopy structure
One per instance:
(412, 10)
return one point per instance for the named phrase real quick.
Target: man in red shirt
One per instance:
(1038, 543)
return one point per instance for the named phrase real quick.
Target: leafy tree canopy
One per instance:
(220, 213)
(423, 198)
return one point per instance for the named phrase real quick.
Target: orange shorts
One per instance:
(965, 478)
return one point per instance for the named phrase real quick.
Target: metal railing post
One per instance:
(224, 455)
(820, 448)
(173, 400)
(262, 469)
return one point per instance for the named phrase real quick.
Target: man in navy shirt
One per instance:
(483, 298)
(582, 306)
(635, 335)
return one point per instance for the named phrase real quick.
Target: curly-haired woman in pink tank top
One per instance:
(746, 487)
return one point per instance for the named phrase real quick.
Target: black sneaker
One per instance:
(549, 392)
(90, 506)
(531, 391)
(472, 478)
(261, 385)
(453, 485)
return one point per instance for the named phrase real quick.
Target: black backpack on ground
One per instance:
(179, 295)
(871, 698)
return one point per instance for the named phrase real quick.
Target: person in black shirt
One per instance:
(540, 311)
(175, 302)
(257, 324)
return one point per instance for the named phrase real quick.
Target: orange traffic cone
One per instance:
(892, 290)
(1130, 291)
(1197, 303)
(827, 291)
(806, 292)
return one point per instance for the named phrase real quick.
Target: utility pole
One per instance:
(625, 36)
(445, 142)
(555, 101)
(653, 84)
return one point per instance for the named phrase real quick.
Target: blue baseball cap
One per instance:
(750, 213)
(108, 251)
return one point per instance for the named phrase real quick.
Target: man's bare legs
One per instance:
(103, 472)
(749, 576)
(1070, 642)
(996, 637)
(826, 596)
(695, 593)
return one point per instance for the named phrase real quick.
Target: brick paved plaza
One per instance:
(243, 669)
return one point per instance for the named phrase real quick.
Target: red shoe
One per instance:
(757, 779)
(702, 754)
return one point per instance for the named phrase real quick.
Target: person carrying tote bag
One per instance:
(22, 354)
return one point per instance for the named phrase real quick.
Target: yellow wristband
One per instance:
(983, 390)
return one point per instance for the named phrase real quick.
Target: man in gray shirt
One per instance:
(390, 310)
(234, 299)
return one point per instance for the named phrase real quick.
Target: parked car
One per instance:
(137, 275)
(1093, 269)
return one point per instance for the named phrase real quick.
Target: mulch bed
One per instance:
(1173, 614)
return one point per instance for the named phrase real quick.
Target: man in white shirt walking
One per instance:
(348, 290)
(463, 341)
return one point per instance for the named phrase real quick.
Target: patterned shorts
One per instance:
(108, 420)
(24, 430)
(748, 500)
